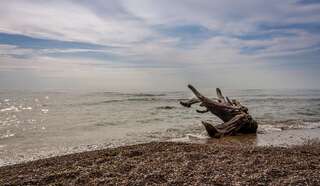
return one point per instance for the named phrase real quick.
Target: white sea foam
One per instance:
(24, 108)
(12, 108)
(191, 138)
(45, 111)
(269, 128)
(290, 125)
(312, 125)
(7, 135)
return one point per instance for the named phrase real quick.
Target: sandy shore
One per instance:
(172, 163)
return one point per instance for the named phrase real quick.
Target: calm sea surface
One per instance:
(34, 125)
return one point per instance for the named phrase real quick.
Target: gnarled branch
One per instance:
(235, 116)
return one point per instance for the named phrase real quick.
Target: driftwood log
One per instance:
(235, 116)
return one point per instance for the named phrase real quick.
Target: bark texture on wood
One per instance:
(235, 116)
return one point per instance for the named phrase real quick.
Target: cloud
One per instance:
(188, 37)
(144, 23)
(68, 21)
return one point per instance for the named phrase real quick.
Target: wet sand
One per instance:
(174, 163)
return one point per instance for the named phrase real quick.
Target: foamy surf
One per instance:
(191, 138)
(8, 134)
(11, 108)
(289, 125)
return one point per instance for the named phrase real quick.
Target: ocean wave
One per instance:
(142, 99)
(134, 94)
(290, 125)
(105, 124)
(150, 120)
(97, 102)
(45, 111)
(312, 125)
(25, 108)
(11, 108)
(271, 99)
(147, 95)
(8, 134)
(308, 113)
(118, 100)
(165, 107)
(269, 128)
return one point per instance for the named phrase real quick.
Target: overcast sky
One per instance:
(159, 44)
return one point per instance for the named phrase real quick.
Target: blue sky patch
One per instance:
(308, 2)
(309, 27)
(188, 34)
(23, 41)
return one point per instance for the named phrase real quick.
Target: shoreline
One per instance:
(173, 163)
(278, 138)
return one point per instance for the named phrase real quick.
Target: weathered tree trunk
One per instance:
(235, 116)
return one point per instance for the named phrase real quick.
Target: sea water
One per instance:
(41, 124)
